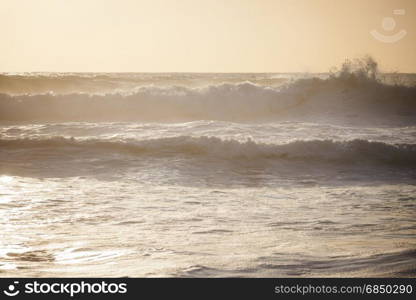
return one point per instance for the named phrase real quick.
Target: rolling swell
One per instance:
(344, 152)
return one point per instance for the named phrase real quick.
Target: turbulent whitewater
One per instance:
(208, 175)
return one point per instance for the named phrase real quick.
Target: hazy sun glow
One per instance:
(201, 35)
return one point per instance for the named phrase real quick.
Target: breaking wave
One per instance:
(356, 93)
(305, 99)
(353, 151)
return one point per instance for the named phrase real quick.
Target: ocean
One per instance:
(207, 175)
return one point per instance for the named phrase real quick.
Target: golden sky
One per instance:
(202, 35)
